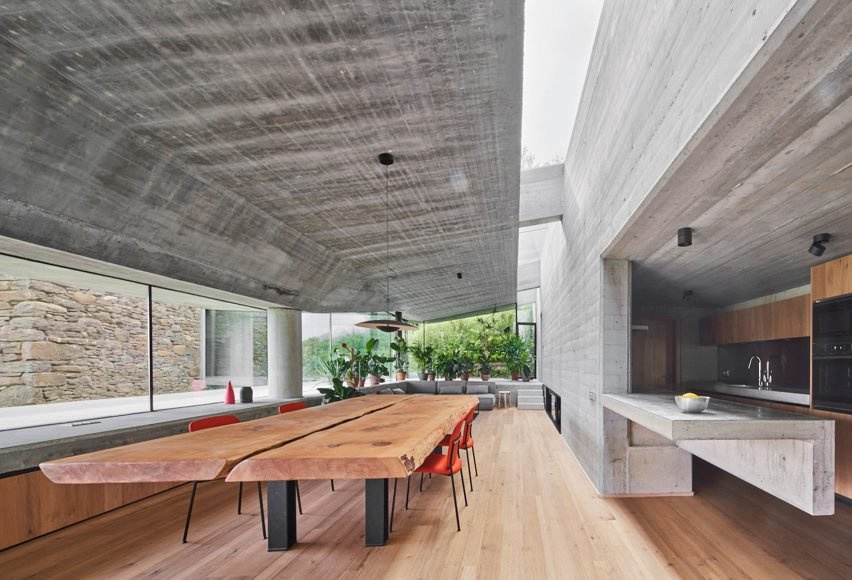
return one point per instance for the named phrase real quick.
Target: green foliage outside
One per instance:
(477, 345)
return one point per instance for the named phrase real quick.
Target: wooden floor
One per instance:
(533, 514)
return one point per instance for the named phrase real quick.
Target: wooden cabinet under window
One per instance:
(832, 278)
(789, 318)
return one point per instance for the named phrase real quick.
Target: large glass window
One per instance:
(201, 344)
(324, 332)
(73, 345)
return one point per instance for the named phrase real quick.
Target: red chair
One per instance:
(466, 444)
(440, 464)
(294, 406)
(209, 423)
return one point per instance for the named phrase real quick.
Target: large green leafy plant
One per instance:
(376, 364)
(422, 355)
(400, 348)
(338, 391)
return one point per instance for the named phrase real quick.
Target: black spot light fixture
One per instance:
(397, 323)
(818, 246)
(684, 237)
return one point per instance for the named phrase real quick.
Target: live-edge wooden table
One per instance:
(374, 438)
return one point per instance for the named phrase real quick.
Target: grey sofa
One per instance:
(485, 391)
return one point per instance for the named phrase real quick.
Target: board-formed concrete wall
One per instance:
(657, 72)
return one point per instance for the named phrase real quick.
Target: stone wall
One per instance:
(60, 343)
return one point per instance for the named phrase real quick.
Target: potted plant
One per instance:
(464, 363)
(445, 363)
(483, 362)
(512, 349)
(338, 392)
(376, 364)
(400, 349)
(422, 355)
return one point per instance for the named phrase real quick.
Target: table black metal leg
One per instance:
(281, 500)
(376, 516)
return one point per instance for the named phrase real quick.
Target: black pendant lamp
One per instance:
(394, 324)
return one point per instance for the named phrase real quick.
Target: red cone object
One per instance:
(229, 395)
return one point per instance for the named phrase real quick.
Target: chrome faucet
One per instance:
(761, 378)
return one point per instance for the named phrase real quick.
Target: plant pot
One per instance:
(430, 376)
(354, 382)
(400, 375)
(515, 375)
(360, 383)
(485, 377)
(525, 378)
(465, 376)
(372, 380)
(423, 376)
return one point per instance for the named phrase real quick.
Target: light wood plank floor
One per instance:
(533, 514)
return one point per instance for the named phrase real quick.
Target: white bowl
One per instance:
(692, 405)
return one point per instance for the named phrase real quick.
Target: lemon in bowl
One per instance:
(692, 403)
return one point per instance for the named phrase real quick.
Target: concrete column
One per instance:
(284, 332)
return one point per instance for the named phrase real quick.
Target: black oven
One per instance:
(832, 344)
(833, 319)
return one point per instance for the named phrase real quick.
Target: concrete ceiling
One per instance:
(233, 144)
(773, 169)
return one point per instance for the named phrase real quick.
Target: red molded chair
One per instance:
(448, 464)
(466, 444)
(294, 406)
(209, 423)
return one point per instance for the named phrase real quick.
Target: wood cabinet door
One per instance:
(832, 278)
(652, 355)
(791, 318)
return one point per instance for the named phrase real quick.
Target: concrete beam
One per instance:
(541, 195)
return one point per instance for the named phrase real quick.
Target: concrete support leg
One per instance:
(284, 327)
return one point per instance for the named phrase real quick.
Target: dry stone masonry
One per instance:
(60, 343)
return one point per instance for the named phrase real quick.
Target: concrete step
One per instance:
(530, 393)
(531, 406)
(530, 401)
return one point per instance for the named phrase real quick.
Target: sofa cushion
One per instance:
(421, 388)
(480, 389)
(486, 402)
(450, 389)
(398, 391)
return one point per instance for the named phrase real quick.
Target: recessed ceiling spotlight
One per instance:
(459, 275)
(684, 237)
(818, 247)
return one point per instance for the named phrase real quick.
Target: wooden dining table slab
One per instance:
(211, 453)
(389, 443)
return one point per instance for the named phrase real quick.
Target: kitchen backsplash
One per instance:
(789, 363)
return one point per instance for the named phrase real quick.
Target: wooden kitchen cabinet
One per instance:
(783, 319)
(832, 278)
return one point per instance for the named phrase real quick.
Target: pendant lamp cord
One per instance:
(387, 237)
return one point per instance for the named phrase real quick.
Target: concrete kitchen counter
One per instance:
(788, 455)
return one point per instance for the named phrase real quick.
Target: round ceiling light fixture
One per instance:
(396, 324)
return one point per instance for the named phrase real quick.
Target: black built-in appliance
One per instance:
(832, 350)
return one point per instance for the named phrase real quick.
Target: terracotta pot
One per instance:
(360, 383)
(515, 375)
(400, 375)
(485, 377)
(372, 380)
(430, 376)
(354, 382)
(465, 376)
